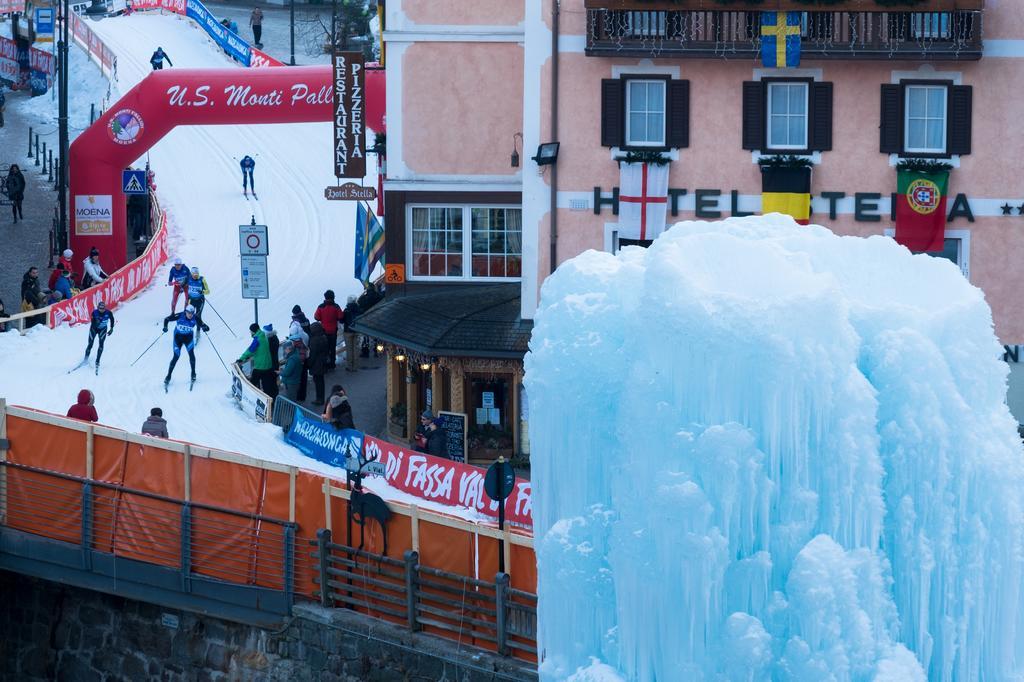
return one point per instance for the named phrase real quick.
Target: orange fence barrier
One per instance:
(147, 528)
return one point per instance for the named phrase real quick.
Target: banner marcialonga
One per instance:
(94, 214)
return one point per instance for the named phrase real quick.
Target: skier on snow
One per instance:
(157, 60)
(197, 292)
(184, 335)
(248, 165)
(177, 277)
(101, 325)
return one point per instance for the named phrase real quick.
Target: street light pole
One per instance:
(292, 11)
(62, 124)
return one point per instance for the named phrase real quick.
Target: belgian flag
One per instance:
(786, 190)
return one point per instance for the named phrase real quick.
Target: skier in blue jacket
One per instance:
(248, 166)
(101, 324)
(184, 335)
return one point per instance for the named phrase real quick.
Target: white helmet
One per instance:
(190, 309)
(177, 261)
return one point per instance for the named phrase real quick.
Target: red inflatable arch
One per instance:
(174, 97)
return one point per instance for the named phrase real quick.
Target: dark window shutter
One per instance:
(613, 112)
(959, 119)
(753, 115)
(678, 114)
(891, 125)
(820, 133)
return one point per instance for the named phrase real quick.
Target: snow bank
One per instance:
(764, 451)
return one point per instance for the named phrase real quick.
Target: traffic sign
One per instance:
(44, 24)
(255, 283)
(133, 182)
(252, 240)
(500, 480)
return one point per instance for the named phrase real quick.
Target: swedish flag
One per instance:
(780, 39)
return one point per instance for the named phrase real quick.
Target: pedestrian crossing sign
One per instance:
(133, 181)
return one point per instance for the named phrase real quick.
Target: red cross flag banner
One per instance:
(921, 209)
(643, 199)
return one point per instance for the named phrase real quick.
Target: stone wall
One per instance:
(52, 631)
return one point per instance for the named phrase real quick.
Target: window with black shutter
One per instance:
(925, 118)
(645, 112)
(787, 116)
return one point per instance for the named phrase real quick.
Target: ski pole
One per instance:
(214, 347)
(147, 349)
(221, 318)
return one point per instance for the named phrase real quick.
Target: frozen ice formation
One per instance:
(765, 452)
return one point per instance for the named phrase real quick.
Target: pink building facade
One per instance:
(471, 83)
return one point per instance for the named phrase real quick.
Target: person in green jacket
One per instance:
(259, 350)
(291, 371)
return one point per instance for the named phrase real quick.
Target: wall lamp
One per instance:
(400, 358)
(515, 149)
(547, 154)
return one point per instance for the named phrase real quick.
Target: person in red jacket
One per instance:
(69, 265)
(329, 314)
(84, 408)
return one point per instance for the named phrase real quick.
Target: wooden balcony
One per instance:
(939, 35)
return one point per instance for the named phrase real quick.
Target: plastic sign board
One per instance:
(255, 283)
(394, 273)
(252, 240)
(44, 24)
(133, 182)
(349, 81)
(94, 215)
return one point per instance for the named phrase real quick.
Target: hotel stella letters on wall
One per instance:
(706, 204)
(349, 129)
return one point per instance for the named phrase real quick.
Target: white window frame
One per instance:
(906, 118)
(467, 243)
(964, 252)
(807, 115)
(664, 113)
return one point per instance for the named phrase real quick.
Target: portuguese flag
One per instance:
(921, 209)
(786, 190)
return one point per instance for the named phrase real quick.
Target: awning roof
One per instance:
(473, 321)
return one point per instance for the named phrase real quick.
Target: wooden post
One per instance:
(188, 472)
(414, 525)
(507, 546)
(89, 434)
(436, 387)
(412, 405)
(327, 503)
(292, 472)
(513, 418)
(458, 396)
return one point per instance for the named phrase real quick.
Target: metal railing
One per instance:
(455, 606)
(198, 540)
(950, 35)
(284, 412)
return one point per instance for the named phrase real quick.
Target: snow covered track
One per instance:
(199, 184)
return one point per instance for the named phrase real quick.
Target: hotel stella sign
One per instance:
(707, 204)
(349, 129)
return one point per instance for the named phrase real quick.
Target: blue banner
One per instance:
(323, 442)
(228, 41)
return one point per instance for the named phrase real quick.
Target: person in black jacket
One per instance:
(275, 362)
(339, 412)
(32, 295)
(14, 185)
(317, 363)
(351, 337)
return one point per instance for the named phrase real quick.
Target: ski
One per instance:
(80, 365)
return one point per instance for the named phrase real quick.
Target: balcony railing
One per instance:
(945, 35)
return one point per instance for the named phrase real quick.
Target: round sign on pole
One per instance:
(500, 480)
(252, 241)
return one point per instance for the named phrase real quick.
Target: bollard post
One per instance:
(92, 112)
(50, 163)
(289, 566)
(44, 157)
(500, 601)
(37, 149)
(186, 547)
(412, 562)
(30, 142)
(87, 526)
(323, 541)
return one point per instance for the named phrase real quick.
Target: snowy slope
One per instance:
(199, 183)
